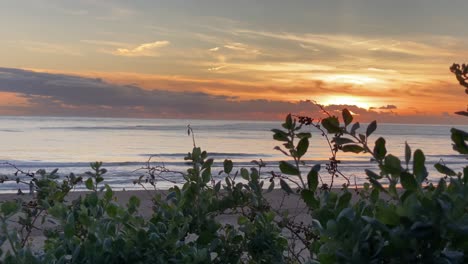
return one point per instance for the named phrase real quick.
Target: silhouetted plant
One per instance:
(461, 73)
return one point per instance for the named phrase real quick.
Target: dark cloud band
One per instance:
(69, 95)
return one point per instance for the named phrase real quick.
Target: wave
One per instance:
(201, 127)
(86, 128)
(10, 130)
(448, 156)
(210, 154)
(132, 165)
(48, 164)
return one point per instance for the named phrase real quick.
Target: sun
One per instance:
(345, 100)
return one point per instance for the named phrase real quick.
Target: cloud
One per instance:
(145, 49)
(103, 42)
(387, 107)
(214, 49)
(241, 47)
(357, 43)
(284, 67)
(382, 70)
(69, 95)
(217, 68)
(308, 47)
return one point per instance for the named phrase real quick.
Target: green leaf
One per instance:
(109, 193)
(309, 198)
(408, 181)
(302, 147)
(392, 165)
(288, 123)
(217, 186)
(331, 124)
(89, 184)
(242, 220)
(92, 199)
(444, 169)
(303, 135)
(196, 152)
(372, 175)
(207, 164)
(371, 128)
(343, 201)
(312, 178)
(379, 149)
(374, 196)
(419, 168)
(227, 166)
(376, 184)
(254, 174)
(245, 174)
(341, 141)
(459, 138)
(206, 175)
(362, 137)
(285, 186)
(111, 210)
(69, 228)
(9, 207)
(352, 148)
(133, 204)
(392, 189)
(205, 237)
(407, 153)
(280, 135)
(99, 179)
(354, 128)
(288, 168)
(387, 215)
(406, 194)
(347, 117)
(327, 258)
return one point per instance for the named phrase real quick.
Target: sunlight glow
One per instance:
(351, 79)
(345, 100)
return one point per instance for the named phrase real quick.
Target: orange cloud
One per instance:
(8, 99)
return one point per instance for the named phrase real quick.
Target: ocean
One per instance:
(124, 146)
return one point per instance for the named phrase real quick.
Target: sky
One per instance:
(220, 59)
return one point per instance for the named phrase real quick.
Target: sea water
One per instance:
(125, 145)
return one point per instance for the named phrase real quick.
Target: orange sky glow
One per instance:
(392, 67)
